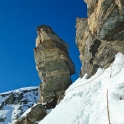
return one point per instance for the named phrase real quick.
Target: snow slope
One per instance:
(14, 103)
(85, 101)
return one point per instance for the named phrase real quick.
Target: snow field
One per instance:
(85, 101)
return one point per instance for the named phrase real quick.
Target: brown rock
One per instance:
(100, 36)
(37, 113)
(53, 64)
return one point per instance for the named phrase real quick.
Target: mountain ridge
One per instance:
(14, 103)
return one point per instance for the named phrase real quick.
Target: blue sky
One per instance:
(18, 21)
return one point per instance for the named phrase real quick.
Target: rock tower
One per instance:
(54, 67)
(53, 64)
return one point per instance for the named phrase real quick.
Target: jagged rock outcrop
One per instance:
(101, 35)
(54, 67)
(37, 113)
(53, 64)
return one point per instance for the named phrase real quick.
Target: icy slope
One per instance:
(85, 101)
(14, 103)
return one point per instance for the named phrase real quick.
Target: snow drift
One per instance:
(85, 101)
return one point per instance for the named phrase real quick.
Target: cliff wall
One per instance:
(101, 35)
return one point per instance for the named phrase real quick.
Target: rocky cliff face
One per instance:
(101, 35)
(14, 103)
(53, 64)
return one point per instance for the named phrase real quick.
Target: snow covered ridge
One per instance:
(87, 101)
(20, 90)
(14, 103)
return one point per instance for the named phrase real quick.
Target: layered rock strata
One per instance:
(53, 64)
(54, 68)
(101, 35)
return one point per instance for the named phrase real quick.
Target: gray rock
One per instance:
(100, 36)
(36, 113)
(16, 103)
(53, 64)
(22, 120)
(88, 47)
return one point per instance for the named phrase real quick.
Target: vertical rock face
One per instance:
(91, 5)
(101, 35)
(53, 64)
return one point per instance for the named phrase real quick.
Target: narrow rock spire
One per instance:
(53, 64)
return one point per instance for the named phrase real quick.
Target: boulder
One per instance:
(37, 113)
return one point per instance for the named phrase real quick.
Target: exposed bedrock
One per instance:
(53, 64)
(101, 35)
(54, 68)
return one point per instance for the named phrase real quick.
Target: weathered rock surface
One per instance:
(101, 35)
(36, 113)
(91, 4)
(54, 68)
(53, 64)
